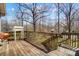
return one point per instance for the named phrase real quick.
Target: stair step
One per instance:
(38, 45)
(66, 51)
(57, 53)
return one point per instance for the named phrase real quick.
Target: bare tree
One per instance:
(69, 10)
(34, 11)
(5, 25)
(58, 14)
(20, 14)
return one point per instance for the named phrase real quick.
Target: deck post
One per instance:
(15, 35)
(22, 34)
(18, 28)
(0, 23)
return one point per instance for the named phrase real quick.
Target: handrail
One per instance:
(64, 37)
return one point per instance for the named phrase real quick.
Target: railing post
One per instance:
(75, 41)
(54, 40)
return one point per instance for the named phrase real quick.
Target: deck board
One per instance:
(23, 48)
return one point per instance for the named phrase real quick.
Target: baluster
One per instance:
(75, 41)
(72, 39)
(78, 41)
(65, 38)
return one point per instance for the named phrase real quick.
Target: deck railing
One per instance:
(51, 41)
(68, 40)
(71, 39)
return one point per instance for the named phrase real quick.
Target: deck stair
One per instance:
(66, 46)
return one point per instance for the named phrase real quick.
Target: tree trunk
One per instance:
(34, 27)
(22, 22)
(58, 18)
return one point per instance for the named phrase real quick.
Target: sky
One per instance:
(10, 8)
(11, 11)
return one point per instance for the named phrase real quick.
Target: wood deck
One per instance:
(23, 48)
